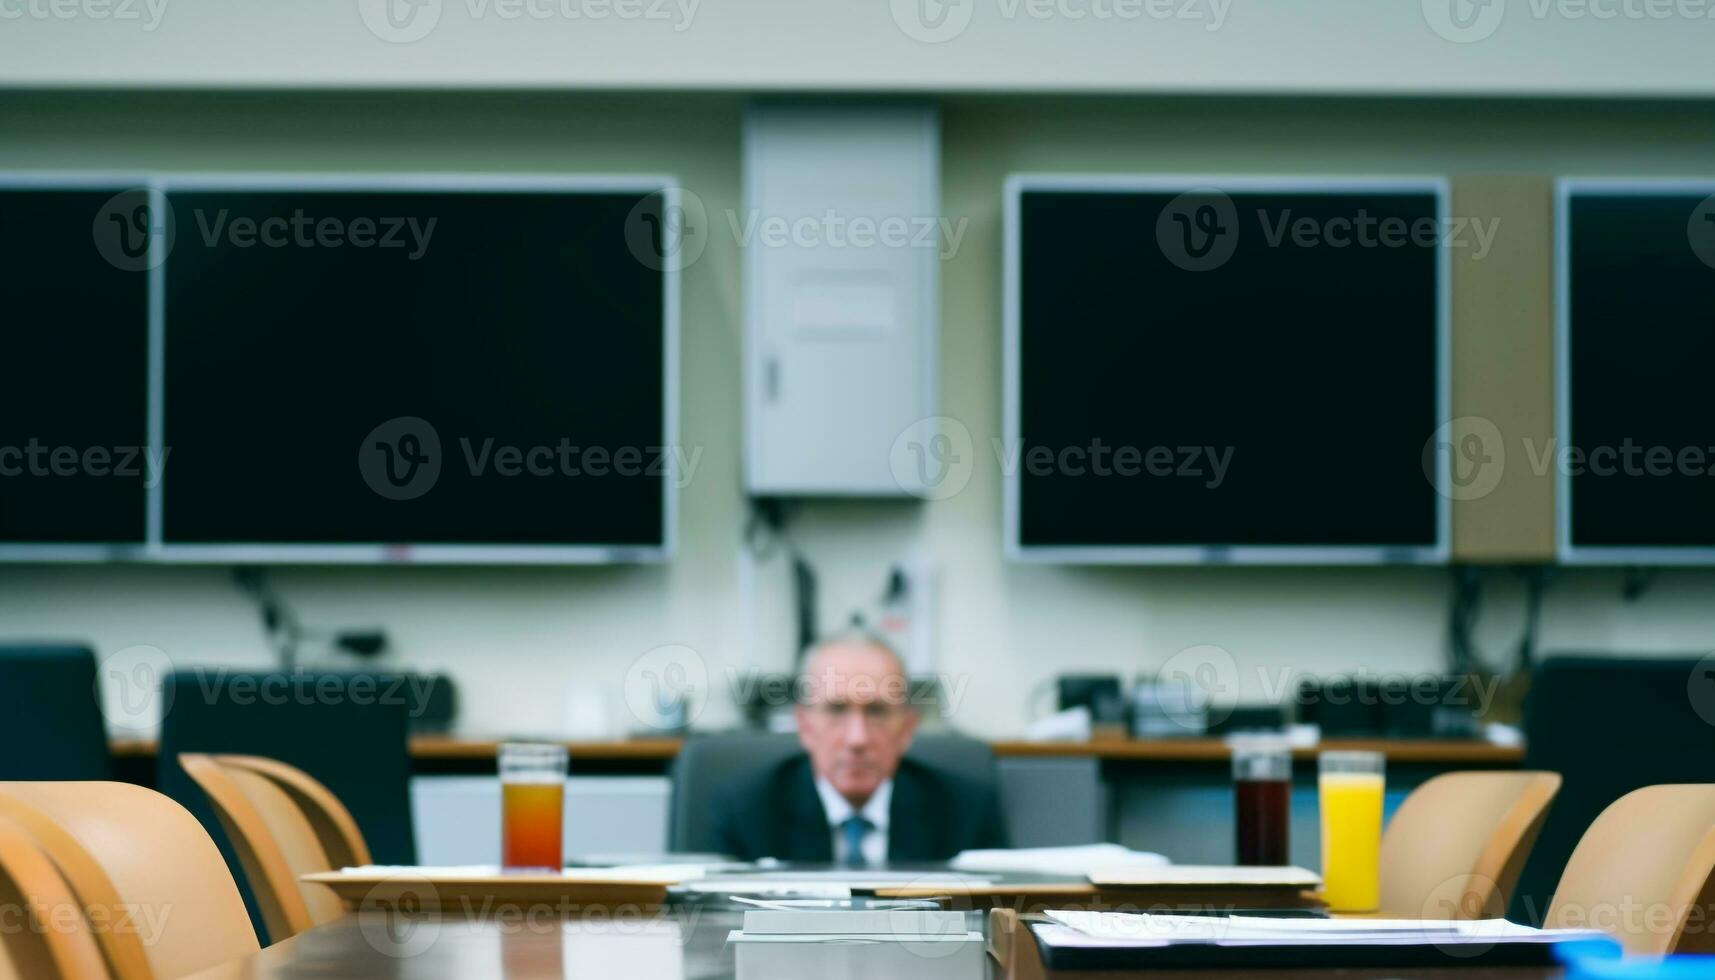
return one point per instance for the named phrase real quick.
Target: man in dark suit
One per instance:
(853, 798)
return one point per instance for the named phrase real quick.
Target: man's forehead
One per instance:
(854, 672)
(851, 657)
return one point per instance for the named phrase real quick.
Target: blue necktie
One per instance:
(854, 828)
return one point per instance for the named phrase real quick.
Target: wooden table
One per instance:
(679, 944)
(684, 944)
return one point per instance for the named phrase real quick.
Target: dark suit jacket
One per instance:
(777, 813)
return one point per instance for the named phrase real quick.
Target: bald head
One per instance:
(853, 657)
(855, 719)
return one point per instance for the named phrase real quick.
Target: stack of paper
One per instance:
(897, 944)
(1075, 861)
(838, 883)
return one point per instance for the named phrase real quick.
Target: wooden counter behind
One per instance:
(450, 748)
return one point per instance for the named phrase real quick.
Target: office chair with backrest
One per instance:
(1645, 873)
(50, 713)
(710, 761)
(1608, 725)
(340, 837)
(138, 860)
(50, 939)
(346, 730)
(275, 840)
(1454, 849)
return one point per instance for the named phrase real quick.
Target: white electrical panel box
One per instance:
(841, 237)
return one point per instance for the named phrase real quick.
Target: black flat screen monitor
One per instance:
(1637, 335)
(1244, 371)
(371, 372)
(74, 331)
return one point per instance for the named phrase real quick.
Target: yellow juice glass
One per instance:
(1351, 785)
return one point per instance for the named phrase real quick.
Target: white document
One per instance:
(1051, 934)
(1079, 928)
(664, 874)
(769, 888)
(827, 884)
(1080, 861)
(857, 879)
(782, 946)
(846, 922)
(1206, 876)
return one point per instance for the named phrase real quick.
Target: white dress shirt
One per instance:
(839, 809)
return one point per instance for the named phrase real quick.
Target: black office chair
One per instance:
(1608, 725)
(348, 730)
(708, 761)
(50, 713)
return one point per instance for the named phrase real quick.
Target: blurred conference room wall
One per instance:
(514, 637)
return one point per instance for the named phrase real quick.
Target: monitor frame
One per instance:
(1566, 552)
(1018, 184)
(117, 182)
(158, 550)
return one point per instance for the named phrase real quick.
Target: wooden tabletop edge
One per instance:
(473, 748)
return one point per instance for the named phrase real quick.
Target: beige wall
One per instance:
(515, 636)
(1328, 47)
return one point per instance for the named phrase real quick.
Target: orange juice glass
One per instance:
(532, 805)
(1351, 785)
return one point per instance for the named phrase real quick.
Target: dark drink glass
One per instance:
(1262, 801)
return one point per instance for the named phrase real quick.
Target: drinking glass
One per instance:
(1351, 785)
(532, 805)
(1262, 800)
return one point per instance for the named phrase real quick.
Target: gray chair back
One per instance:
(709, 761)
(50, 713)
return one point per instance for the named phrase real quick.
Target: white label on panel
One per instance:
(842, 307)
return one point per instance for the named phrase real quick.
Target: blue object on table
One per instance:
(1605, 961)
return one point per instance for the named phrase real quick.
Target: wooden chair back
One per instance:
(144, 865)
(1645, 872)
(333, 823)
(1455, 848)
(47, 937)
(275, 841)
